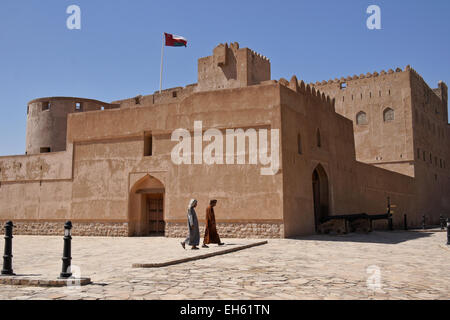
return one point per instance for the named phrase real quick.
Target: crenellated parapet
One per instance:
(355, 77)
(232, 67)
(308, 90)
(221, 50)
(260, 56)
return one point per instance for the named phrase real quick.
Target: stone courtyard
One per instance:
(412, 265)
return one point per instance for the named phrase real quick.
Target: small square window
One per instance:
(46, 150)
(78, 106)
(174, 94)
(343, 85)
(45, 106)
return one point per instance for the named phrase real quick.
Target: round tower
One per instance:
(47, 121)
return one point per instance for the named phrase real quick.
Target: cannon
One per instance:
(343, 224)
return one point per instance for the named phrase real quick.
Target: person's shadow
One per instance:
(381, 237)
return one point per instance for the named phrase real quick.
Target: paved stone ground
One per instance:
(412, 265)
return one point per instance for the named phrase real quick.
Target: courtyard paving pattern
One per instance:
(412, 265)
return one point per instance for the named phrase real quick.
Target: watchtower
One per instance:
(232, 67)
(47, 121)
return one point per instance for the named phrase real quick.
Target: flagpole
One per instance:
(162, 60)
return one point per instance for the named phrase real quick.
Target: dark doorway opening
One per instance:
(320, 195)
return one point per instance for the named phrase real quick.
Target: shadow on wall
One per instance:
(230, 68)
(382, 237)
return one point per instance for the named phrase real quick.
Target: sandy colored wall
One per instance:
(386, 144)
(304, 114)
(376, 184)
(431, 144)
(109, 163)
(109, 157)
(354, 187)
(36, 187)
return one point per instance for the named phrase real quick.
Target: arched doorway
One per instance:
(147, 207)
(320, 194)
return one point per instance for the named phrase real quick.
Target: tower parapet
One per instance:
(343, 80)
(232, 67)
(442, 93)
(47, 121)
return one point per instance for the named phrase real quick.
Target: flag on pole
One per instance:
(169, 40)
(175, 41)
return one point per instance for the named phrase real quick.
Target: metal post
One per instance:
(162, 63)
(7, 257)
(391, 227)
(66, 259)
(448, 231)
(442, 220)
(423, 222)
(405, 222)
(389, 205)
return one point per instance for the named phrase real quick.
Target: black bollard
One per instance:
(66, 259)
(7, 258)
(423, 222)
(405, 222)
(448, 231)
(442, 220)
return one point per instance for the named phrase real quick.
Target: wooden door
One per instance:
(155, 214)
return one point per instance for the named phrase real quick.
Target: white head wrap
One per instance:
(192, 203)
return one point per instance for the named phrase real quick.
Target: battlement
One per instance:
(308, 90)
(232, 67)
(441, 91)
(361, 76)
(260, 56)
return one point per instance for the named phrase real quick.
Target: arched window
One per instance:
(299, 144)
(361, 118)
(388, 115)
(319, 140)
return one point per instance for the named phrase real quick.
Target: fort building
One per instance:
(345, 146)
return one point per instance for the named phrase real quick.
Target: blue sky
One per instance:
(117, 52)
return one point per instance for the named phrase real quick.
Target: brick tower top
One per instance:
(232, 67)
